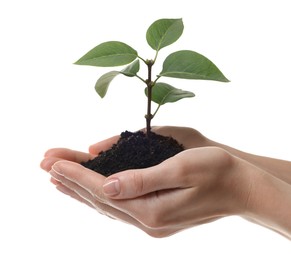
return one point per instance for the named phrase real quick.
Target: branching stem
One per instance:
(150, 85)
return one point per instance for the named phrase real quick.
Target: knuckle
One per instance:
(102, 208)
(157, 227)
(98, 195)
(223, 158)
(152, 222)
(158, 233)
(137, 182)
(155, 220)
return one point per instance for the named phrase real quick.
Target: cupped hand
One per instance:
(194, 187)
(205, 182)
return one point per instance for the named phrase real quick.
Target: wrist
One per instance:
(237, 182)
(268, 202)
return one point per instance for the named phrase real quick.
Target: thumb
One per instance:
(135, 183)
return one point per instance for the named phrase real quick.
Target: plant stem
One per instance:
(149, 83)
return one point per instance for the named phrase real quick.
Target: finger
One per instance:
(103, 145)
(60, 184)
(68, 154)
(84, 189)
(57, 154)
(137, 182)
(65, 190)
(127, 217)
(78, 175)
(184, 135)
(75, 191)
(47, 163)
(54, 181)
(61, 181)
(121, 215)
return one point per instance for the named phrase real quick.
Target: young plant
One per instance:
(183, 64)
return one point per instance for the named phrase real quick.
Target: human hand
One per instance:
(194, 187)
(190, 138)
(182, 134)
(54, 155)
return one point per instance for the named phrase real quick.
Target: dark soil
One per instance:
(134, 151)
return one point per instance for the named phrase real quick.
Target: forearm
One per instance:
(278, 168)
(269, 203)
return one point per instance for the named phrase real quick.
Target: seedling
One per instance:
(183, 64)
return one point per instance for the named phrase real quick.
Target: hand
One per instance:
(196, 186)
(191, 188)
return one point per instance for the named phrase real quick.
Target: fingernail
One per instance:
(111, 187)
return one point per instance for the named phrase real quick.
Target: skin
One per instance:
(205, 182)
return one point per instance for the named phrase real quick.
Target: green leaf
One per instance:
(103, 82)
(131, 69)
(163, 93)
(109, 54)
(164, 32)
(191, 65)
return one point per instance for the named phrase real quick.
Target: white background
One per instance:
(46, 101)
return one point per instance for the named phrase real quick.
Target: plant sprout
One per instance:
(183, 64)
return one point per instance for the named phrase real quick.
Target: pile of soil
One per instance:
(134, 151)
